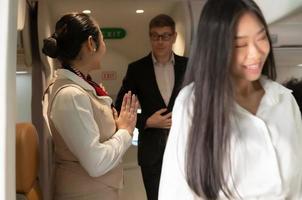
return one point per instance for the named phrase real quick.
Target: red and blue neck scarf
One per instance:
(98, 89)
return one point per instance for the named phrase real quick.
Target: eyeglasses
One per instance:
(163, 37)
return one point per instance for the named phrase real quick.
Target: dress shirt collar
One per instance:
(273, 90)
(156, 63)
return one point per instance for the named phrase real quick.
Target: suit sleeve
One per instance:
(129, 84)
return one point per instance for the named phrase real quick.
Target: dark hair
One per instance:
(70, 32)
(162, 20)
(296, 86)
(209, 68)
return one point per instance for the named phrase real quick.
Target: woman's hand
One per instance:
(128, 114)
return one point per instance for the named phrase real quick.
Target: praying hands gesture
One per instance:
(128, 114)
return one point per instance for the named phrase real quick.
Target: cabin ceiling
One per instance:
(118, 13)
(114, 11)
(273, 10)
(121, 13)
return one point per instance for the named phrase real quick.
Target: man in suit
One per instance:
(156, 80)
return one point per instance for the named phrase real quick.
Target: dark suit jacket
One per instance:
(140, 79)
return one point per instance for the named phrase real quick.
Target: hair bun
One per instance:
(50, 47)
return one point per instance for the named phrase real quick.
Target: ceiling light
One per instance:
(139, 11)
(299, 65)
(86, 11)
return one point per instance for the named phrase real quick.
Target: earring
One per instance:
(94, 49)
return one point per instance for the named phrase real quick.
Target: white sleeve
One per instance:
(72, 116)
(173, 184)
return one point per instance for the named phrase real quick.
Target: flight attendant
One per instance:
(89, 136)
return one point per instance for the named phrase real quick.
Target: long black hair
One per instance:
(209, 70)
(71, 31)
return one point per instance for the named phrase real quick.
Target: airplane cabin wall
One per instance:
(23, 94)
(287, 42)
(24, 63)
(8, 35)
(180, 14)
(287, 61)
(45, 29)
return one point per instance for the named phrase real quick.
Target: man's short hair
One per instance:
(162, 20)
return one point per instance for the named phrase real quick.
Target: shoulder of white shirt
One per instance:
(271, 88)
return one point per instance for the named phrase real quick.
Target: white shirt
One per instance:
(266, 148)
(165, 77)
(74, 120)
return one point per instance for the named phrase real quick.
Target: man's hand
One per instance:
(157, 120)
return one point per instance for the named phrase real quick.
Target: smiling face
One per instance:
(251, 48)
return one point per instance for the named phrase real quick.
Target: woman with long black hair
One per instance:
(236, 134)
